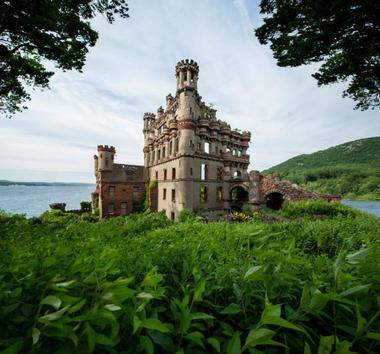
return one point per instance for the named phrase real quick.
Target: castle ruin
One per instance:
(192, 160)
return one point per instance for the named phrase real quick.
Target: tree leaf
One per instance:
(196, 337)
(35, 335)
(151, 323)
(214, 343)
(355, 290)
(200, 316)
(52, 300)
(53, 316)
(258, 336)
(234, 345)
(231, 309)
(254, 273)
(147, 344)
(326, 344)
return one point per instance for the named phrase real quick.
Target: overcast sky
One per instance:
(131, 70)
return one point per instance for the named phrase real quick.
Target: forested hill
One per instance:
(351, 169)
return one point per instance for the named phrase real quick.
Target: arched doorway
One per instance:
(238, 196)
(274, 200)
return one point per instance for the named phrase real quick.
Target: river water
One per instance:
(34, 200)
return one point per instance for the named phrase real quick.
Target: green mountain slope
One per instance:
(351, 169)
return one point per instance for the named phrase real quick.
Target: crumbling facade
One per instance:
(192, 160)
(119, 187)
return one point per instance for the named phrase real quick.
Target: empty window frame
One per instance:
(165, 174)
(203, 194)
(123, 208)
(170, 148)
(164, 194)
(204, 172)
(111, 191)
(219, 194)
(174, 173)
(158, 154)
(156, 175)
(176, 145)
(163, 152)
(237, 174)
(173, 195)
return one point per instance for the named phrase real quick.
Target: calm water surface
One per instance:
(371, 207)
(34, 200)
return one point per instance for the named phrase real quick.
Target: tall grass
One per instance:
(144, 284)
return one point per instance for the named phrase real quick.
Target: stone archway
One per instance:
(274, 199)
(238, 197)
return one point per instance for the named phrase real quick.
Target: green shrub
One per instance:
(247, 209)
(310, 208)
(186, 215)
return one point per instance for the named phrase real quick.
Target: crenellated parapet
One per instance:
(106, 148)
(187, 64)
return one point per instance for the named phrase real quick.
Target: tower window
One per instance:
(176, 145)
(173, 173)
(170, 148)
(164, 194)
(163, 152)
(207, 147)
(172, 216)
(204, 172)
(203, 194)
(191, 171)
(106, 161)
(185, 77)
(156, 175)
(173, 195)
(165, 174)
(158, 154)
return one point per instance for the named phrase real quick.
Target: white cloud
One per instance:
(131, 70)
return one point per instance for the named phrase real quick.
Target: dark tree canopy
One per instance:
(34, 31)
(342, 34)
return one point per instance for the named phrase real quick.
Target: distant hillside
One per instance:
(47, 184)
(351, 169)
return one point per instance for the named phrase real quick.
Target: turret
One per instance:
(105, 157)
(186, 72)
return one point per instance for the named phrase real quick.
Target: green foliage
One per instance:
(247, 209)
(351, 170)
(316, 208)
(142, 284)
(34, 32)
(343, 35)
(186, 215)
(85, 206)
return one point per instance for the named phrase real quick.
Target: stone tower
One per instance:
(192, 158)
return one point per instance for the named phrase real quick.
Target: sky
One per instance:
(131, 70)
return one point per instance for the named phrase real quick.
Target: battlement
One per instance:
(187, 64)
(149, 115)
(106, 148)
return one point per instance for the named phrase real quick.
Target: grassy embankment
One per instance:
(351, 170)
(309, 284)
